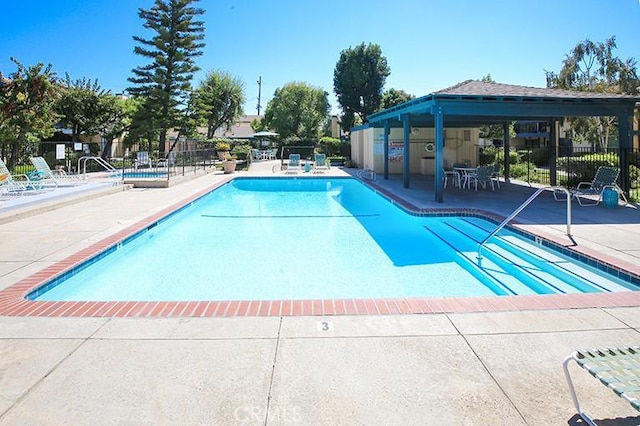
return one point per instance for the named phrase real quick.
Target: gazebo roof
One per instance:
(486, 89)
(473, 102)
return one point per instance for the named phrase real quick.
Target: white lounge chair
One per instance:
(294, 164)
(605, 178)
(170, 161)
(16, 184)
(320, 164)
(48, 177)
(616, 368)
(142, 159)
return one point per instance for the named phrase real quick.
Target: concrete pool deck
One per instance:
(446, 368)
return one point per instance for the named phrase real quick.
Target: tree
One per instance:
(144, 128)
(119, 113)
(219, 99)
(358, 80)
(297, 110)
(81, 107)
(592, 67)
(27, 100)
(165, 81)
(394, 97)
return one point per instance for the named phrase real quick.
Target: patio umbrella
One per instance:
(264, 134)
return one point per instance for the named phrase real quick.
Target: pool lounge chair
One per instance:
(320, 164)
(617, 369)
(18, 184)
(170, 161)
(142, 159)
(47, 177)
(294, 164)
(586, 191)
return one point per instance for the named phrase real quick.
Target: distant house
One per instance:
(239, 130)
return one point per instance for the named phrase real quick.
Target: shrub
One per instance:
(223, 146)
(329, 145)
(241, 151)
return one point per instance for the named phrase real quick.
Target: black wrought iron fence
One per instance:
(572, 165)
(177, 163)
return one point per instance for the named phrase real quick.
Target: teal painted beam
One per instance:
(385, 149)
(406, 132)
(438, 184)
(553, 151)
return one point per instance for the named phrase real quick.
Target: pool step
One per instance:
(500, 280)
(538, 266)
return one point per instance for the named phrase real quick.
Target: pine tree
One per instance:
(165, 82)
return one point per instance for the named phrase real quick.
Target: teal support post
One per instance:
(625, 138)
(406, 133)
(506, 146)
(385, 149)
(438, 184)
(553, 152)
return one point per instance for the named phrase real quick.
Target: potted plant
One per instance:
(223, 148)
(229, 163)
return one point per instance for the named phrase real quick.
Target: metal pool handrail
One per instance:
(522, 206)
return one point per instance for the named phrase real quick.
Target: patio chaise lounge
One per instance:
(294, 164)
(142, 160)
(605, 178)
(617, 369)
(170, 161)
(47, 177)
(320, 164)
(17, 184)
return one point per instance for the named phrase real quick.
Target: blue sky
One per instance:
(429, 44)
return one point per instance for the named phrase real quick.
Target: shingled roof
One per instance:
(498, 90)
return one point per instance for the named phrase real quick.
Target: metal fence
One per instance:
(571, 165)
(177, 163)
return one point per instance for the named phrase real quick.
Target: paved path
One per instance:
(500, 368)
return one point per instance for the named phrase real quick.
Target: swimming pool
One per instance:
(287, 239)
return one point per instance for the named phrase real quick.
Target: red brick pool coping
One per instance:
(13, 302)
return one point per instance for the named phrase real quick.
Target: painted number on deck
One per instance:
(325, 326)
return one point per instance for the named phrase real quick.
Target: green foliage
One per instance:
(218, 100)
(27, 107)
(166, 80)
(297, 110)
(525, 171)
(329, 145)
(84, 107)
(241, 151)
(592, 67)
(393, 97)
(223, 146)
(358, 79)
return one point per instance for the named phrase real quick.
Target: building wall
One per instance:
(367, 148)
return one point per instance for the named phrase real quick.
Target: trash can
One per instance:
(610, 198)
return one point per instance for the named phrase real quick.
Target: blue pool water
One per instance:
(144, 174)
(258, 239)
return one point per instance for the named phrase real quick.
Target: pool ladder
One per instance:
(367, 174)
(522, 206)
(82, 164)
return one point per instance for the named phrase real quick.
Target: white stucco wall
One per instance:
(367, 148)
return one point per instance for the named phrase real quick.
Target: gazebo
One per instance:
(473, 103)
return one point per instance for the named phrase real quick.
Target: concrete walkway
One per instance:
(501, 368)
